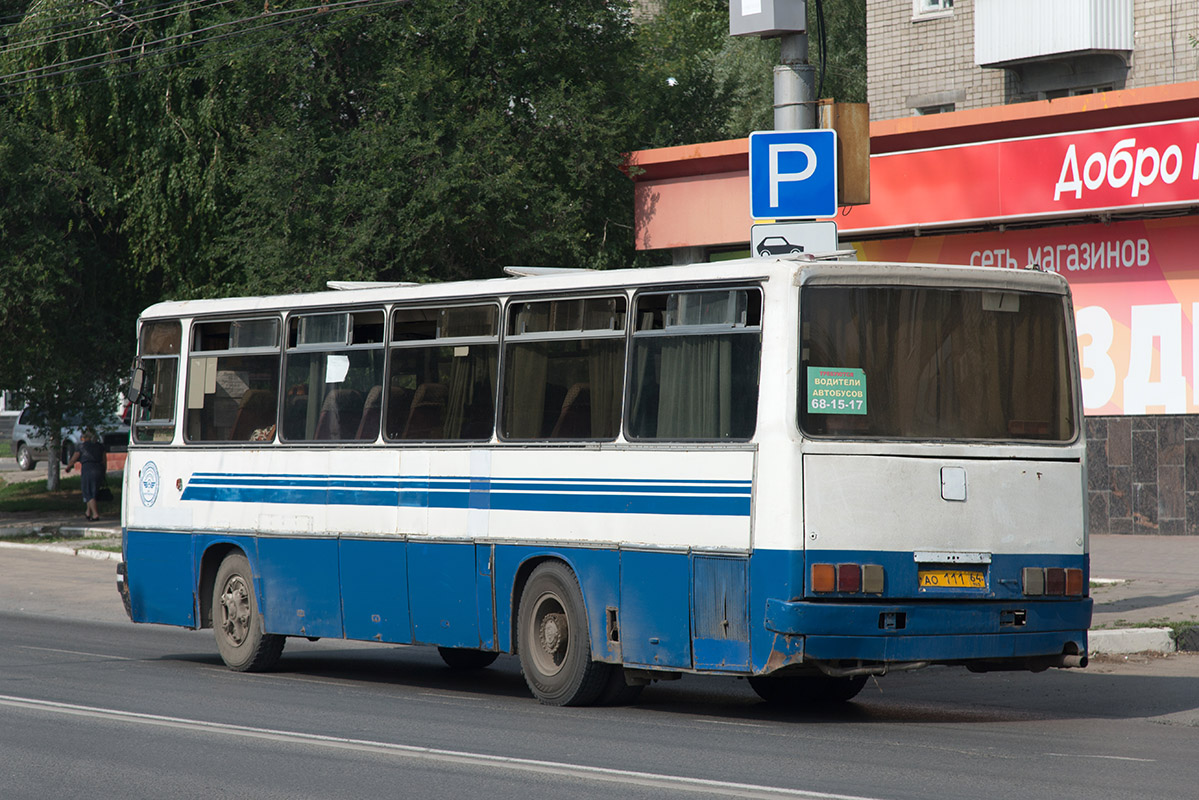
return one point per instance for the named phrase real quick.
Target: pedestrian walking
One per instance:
(92, 458)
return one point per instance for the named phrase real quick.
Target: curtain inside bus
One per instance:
(940, 364)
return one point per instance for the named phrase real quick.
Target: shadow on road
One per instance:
(1153, 688)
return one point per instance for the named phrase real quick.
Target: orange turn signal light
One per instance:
(1074, 585)
(824, 578)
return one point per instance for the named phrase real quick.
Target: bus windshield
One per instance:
(910, 362)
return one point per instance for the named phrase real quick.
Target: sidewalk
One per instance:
(1140, 585)
(1145, 588)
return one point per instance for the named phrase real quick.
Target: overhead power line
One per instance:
(77, 27)
(176, 42)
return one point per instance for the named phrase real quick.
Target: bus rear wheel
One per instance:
(238, 626)
(807, 690)
(553, 642)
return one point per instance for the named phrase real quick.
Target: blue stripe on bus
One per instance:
(614, 496)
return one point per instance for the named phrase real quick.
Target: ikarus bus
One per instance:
(795, 471)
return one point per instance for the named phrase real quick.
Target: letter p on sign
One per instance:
(793, 174)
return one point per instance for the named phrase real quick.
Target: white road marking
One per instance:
(460, 757)
(75, 653)
(736, 724)
(1112, 758)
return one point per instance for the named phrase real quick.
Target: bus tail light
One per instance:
(824, 578)
(1034, 580)
(849, 578)
(1074, 584)
(873, 579)
(1053, 581)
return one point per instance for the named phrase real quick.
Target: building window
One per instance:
(923, 9)
(942, 108)
(1076, 91)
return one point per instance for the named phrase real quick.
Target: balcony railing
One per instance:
(1010, 32)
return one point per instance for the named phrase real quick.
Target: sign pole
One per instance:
(794, 86)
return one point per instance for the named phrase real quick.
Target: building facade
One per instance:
(1036, 163)
(934, 56)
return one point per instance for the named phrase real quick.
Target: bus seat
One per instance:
(574, 421)
(340, 414)
(368, 428)
(256, 411)
(399, 404)
(427, 417)
(295, 410)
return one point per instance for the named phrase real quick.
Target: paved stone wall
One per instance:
(1143, 474)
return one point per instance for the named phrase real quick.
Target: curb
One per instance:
(67, 550)
(1130, 640)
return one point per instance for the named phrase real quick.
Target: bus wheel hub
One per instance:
(553, 626)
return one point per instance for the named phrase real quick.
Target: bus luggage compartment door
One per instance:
(720, 622)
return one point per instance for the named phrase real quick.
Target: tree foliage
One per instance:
(700, 84)
(205, 148)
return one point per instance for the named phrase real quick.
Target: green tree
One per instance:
(445, 141)
(700, 84)
(845, 37)
(63, 319)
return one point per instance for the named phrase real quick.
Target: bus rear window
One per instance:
(922, 363)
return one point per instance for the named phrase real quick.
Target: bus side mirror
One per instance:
(135, 391)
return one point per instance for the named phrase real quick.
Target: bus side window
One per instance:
(564, 369)
(233, 381)
(443, 363)
(695, 365)
(159, 357)
(333, 376)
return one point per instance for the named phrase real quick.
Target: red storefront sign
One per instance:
(1063, 175)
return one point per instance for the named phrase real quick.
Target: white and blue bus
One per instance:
(800, 472)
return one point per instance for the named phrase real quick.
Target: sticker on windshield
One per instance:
(836, 390)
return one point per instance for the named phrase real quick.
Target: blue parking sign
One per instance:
(793, 174)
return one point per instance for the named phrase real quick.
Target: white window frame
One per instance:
(931, 9)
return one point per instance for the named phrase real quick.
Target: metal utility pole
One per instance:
(794, 86)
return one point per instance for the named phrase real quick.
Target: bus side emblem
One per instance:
(148, 483)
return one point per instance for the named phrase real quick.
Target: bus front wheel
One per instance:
(807, 690)
(243, 645)
(553, 642)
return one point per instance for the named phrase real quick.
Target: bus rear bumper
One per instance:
(934, 632)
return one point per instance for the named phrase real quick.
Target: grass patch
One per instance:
(1176, 626)
(6, 449)
(32, 496)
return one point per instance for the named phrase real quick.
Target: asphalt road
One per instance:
(94, 706)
